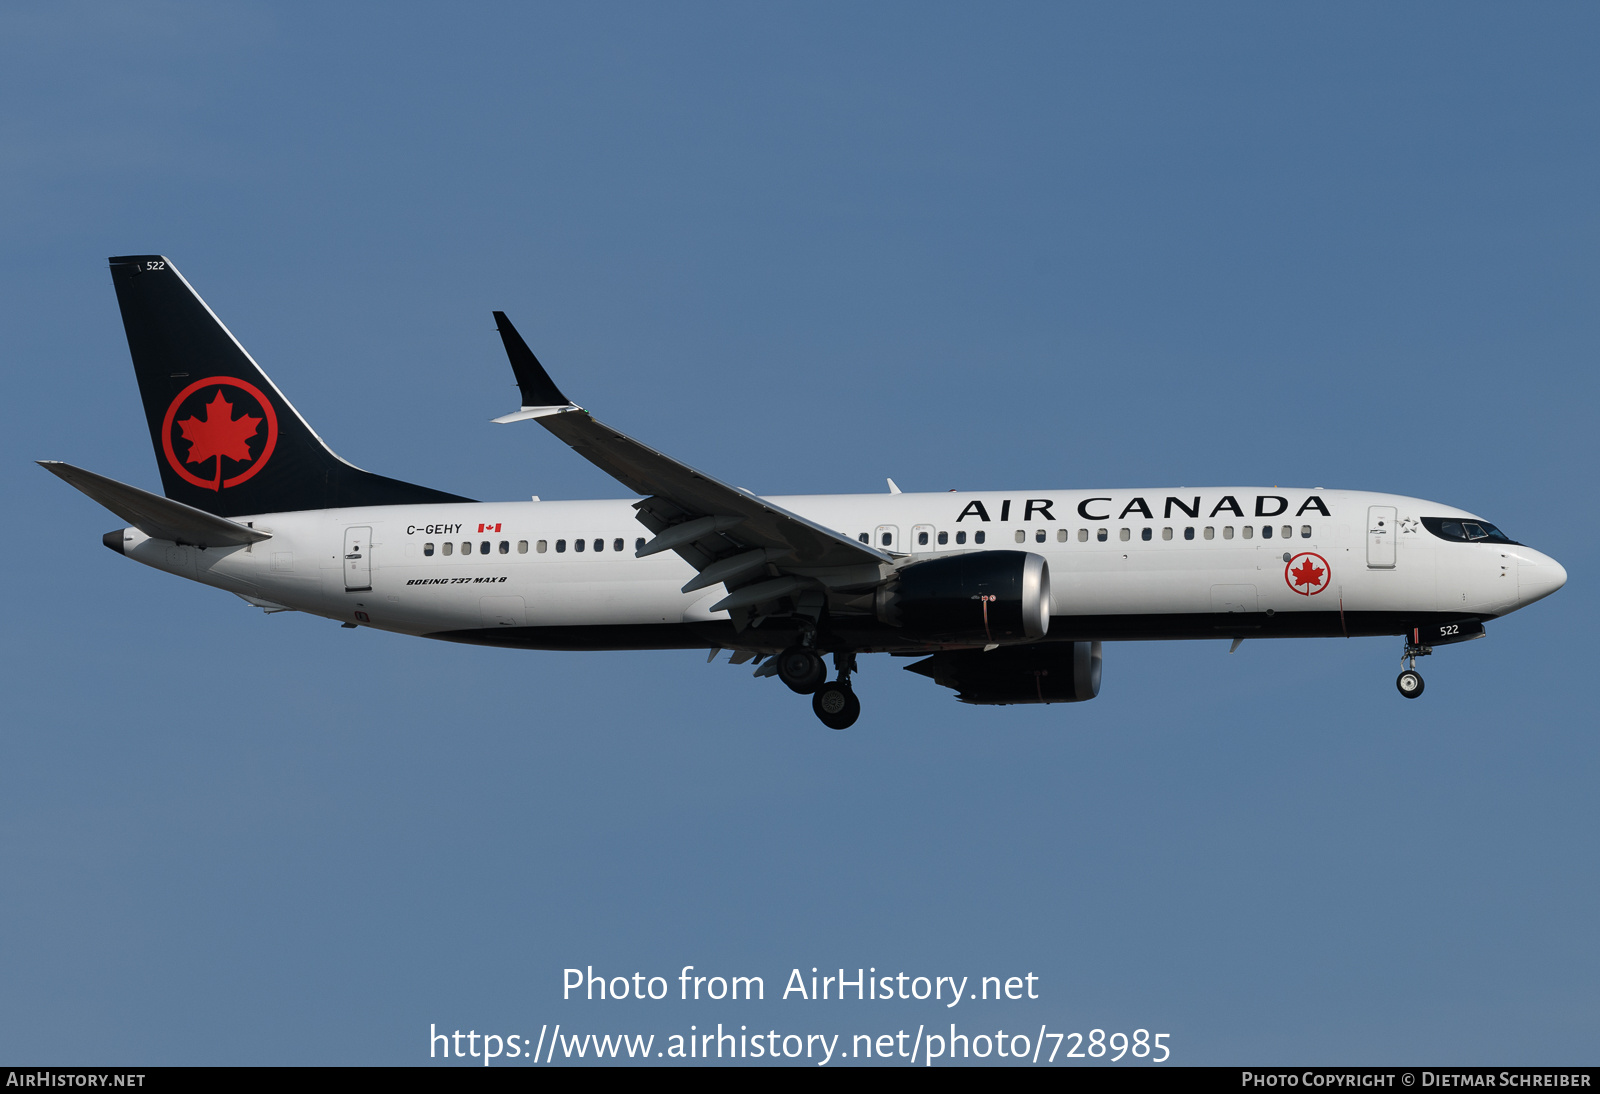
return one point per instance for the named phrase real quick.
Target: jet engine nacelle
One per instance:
(985, 597)
(1055, 672)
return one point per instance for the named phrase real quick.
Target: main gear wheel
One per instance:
(801, 669)
(836, 705)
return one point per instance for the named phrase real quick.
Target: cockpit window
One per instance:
(1465, 531)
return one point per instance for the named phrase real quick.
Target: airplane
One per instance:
(1003, 596)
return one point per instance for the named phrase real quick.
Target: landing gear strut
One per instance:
(836, 703)
(1410, 680)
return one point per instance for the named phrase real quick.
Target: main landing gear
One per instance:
(836, 705)
(802, 671)
(1410, 680)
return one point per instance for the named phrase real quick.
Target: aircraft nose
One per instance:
(1538, 576)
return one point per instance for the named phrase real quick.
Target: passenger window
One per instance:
(427, 549)
(944, 537)
(1166, 533)
(1083, 535)
(1144, 534)
(1038, 537)
(599, 545)
(922, 539)
(1022, 536)
(1061, 535)
(1125, 535)
(448, 547)
(466, 548)
(522, 546)
(542, 546)
(579, 544)
(1266, 531)
(1100, 535)
(1288, 531)
(561, 546)
(638, 544)
(616, 545)
(1305, 531)
(1248, 532)
(505, 546)
(888, 538)
(977, 537)
(1227, 531)
(483, 548)
(1210, 533)
(1188, 533)
(961, 537)
(863, 538)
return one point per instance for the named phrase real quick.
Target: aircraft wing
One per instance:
(761, 551)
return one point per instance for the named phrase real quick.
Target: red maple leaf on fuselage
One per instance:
(220, 434)
(1307, 574)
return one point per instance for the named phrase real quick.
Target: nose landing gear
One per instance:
(1410, 680)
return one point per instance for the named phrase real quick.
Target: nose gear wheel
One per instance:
(1410, 683)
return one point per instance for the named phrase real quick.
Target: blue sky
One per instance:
(806, 247)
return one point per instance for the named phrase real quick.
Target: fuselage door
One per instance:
(1382, 531)
(357, 559)
(922, 537)
(1233, 599)
(887, 537)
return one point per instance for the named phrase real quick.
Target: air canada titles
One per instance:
(1110, 507)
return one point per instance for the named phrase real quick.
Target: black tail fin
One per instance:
(226, 439)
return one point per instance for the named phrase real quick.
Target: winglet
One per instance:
(538, 390)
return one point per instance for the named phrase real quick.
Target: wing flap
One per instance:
(646, 471)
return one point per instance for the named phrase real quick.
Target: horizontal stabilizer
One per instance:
(154, 515)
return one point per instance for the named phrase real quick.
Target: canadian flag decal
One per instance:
(488, 528)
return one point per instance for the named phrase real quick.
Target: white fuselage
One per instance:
(1115, 557)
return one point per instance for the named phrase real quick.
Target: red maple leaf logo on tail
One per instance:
(1307, 574)
(219, 434)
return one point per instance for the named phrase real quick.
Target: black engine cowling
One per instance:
(1054, 672)
(985, 597)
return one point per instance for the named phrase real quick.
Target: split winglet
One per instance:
(540, 396)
